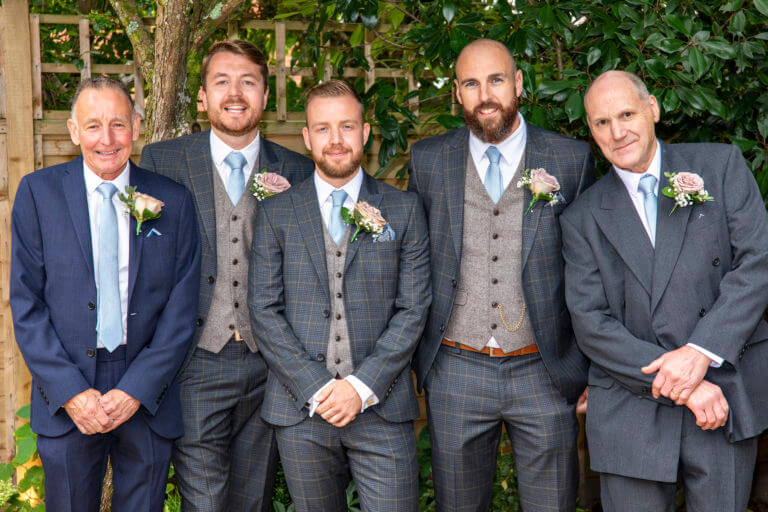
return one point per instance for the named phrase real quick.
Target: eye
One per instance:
(497, 80)
(626, 115)
(470, 83)
(249, 83)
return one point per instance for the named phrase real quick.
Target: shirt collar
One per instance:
(352, 187)
(631, 179)
(92, 180)
(510, 148)
(220, 150)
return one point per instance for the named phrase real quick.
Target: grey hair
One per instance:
(100, 82)
(636, 81)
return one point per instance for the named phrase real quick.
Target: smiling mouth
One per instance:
(623, 147)
(235, 109)
(107, 153)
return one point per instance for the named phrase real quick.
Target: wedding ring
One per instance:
(675, 393)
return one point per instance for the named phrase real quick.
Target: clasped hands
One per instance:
(339, 403)
(94, 413)
(680, 378)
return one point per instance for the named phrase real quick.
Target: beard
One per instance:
(340, 170)
(232, 127)
(492, 130)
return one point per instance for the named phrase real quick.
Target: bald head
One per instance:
(618, 78)
(484, 47)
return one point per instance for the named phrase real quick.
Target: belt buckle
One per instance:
(491, 351)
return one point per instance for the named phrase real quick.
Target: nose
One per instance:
(106, 136)
(485, 93)
(617, 131)
(335, 135)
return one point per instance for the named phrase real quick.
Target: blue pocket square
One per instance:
(387, 235)
(154, 232)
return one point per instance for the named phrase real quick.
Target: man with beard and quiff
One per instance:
(227, 457)
(498, 346)
(338, 314)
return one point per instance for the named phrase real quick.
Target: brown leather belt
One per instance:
(494, 352)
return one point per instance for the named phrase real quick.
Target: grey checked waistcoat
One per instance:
(229, 304)
(490, 268)
(338, 358)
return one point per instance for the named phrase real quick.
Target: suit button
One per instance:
(231, 327)
(442, 328)
(646, 390)
(338, 274)
(338, 316)
(338, 361)
(91, 305)
(320, 357)
(494, 281)
(716, 262)
(236, 304)
(337, 338)
(235, 240)
(90, 352)
(702, 312)
(453, 283)
(495, 236)
(338, 254)
(338, 295)
(234, 261)
(494, 258)
(211, 279)
(234, 217)
(495, 212)
(493, 326)
(494, 304)
(326, 313)
(235, 283)
(199, 322)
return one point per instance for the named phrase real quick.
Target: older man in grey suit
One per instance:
(498, 347)
(667, 295)
(227, 458)
(338, 311)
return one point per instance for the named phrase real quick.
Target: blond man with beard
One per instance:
(227, 457)
(338, 313)
(498, 347)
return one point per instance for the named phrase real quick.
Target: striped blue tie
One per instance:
(647, 186)
(109, 318)
(493, 183)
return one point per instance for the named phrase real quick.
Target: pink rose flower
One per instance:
(543, 183)
(147, 202)
(273, 183)
(687, 183)
(370, 217)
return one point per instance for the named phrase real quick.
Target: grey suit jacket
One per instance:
(187, 160)
(705, 283)
(437, 169)
(386, 296)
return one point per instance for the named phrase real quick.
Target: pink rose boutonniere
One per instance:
(365, 218)
(543, 187)
(143, 207)
(685, 188)
(266, 184)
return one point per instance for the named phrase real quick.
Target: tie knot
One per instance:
(107, 190)
(235, 160)
(338, 197)
(493, 154)
(647, 184)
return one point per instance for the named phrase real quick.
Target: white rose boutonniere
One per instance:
(686, 188)
(267, 184)
(543, 187)
(365, 218)
(143, 207)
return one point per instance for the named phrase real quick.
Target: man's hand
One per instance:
(680, 371)
(339, 403)
(709, 405)
(85, 411)
(581, 403)
(119, 405)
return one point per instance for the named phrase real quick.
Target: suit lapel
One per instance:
(534, 158)
(136, 242)
(369, 193)
(310, 223)
(201, 175)
(670, 229)
(454, 167)
(267, 159)
(618, 220)
(74, 192)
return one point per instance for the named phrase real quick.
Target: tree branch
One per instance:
(140, 37)
(213, 19)
(392, 43)
(559, 54)
(399, 8)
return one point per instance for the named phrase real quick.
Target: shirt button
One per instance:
(496, 212)
(337, 338)
(90, 353)
(211, 279)
(326, 313)
(338, 295)
(320, 357)
(91, 305)
(199, 322)
(494, 281)
(231, 327)
(338, 254)
(338, 316)
(494, 304)
(234, 261)
(716, 262)
(234, 240)
(234, 217)
(702, 312)
(338, 361)
(495, 236)
(493, 326)
(494, 258)
(235, 283)
(237, 304)
(338, 274)
(453, 283)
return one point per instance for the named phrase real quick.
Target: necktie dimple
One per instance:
(647, 186)
(336, 226)
(236, 184)
(493, 183)
(109, 318)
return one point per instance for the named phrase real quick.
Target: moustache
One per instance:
(336, 148)
(487, 105)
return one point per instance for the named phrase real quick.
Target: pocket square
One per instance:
(387, 235)
(154, 232)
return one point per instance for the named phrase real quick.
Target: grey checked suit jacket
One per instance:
(187, 160)
(705, 283)
(386, 297)
(437, 169)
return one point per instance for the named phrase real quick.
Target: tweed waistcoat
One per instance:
(338, 358)
(490, 270)
(229, 304)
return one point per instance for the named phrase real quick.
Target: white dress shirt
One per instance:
(512, 150)
(220, 150)
(631, 182)
(94, 199)
(324, 199)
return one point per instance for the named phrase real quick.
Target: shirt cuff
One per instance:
(717, 361)
(313, 403)
(367, 396)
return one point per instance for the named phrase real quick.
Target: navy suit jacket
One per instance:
(386, 296)
(53, 295)
(437, 168)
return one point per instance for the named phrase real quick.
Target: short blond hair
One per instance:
(333, 89)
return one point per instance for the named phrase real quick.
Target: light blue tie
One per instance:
(336, 226)
(236, 185)
(109, 319)
(493, 183)
(647, 186)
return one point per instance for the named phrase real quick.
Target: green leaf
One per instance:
(626, 11)
(744, 145)
(449, 11)
(450, 122)
(722, 49)
(731, 5)
(762, 125)
(346, 216)
(546, 17)
(25, 448)
(762, 35)
(24, 411)
(550, 87)
(738, 22)
(6, 470)
(370, 15)
(33, 477)
(574, 106)
(24, 432)
(699, 63)
(762, 6)
(702, 35)
(670, 101)
(388, 127)
(677, 23)
(593, 55)
(396, 16)
(356, 38)
(669, 45)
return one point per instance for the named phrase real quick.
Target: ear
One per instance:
(203, 98)
(458, 91)
(366, 133)
(654, 108)
(73, 134)
(305, 134)
(518, 83)
(136, 125)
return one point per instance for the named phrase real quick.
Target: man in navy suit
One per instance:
(103, 313)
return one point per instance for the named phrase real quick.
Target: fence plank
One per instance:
(37, 79)
(138, 90)
(84, 26)
(280, 76)
(370, 75)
